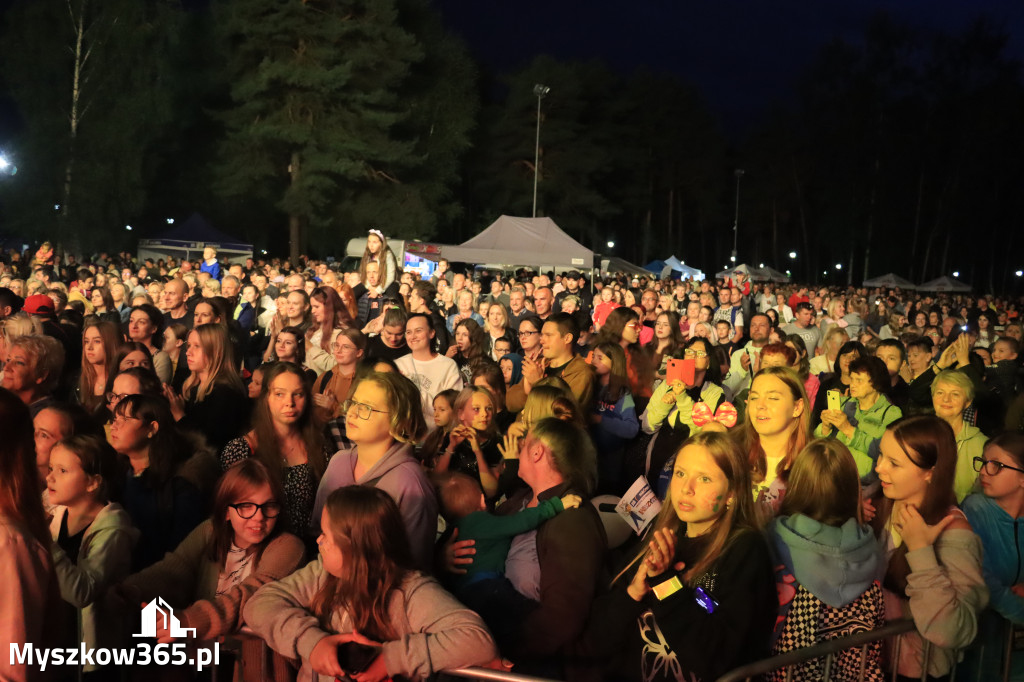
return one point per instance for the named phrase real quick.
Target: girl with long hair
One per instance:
(365, 590)
(614, 422)
(472, 446)
(146, 326)
(212, 399)
(288, 439)
(332, 388)
(934, 570)
(167, 475)
(496, 327)
(667, 341)
(211, 575)
(818, 536)
(470, 345)
(100, 340)
(175, 337)
(444, 421)
(377, 251)
(384, 421)
(92, 536)
(698, 600)
(30, 586)
(777, 426)
(622, 327)
(330, 316)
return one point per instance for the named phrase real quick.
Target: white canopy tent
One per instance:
(684, 270)
(890, 281)
(511, 240)
(755, 274)
(943, 284)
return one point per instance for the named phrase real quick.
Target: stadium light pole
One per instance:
(539, 90)
(736, 220)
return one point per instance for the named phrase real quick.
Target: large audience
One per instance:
(335, 461)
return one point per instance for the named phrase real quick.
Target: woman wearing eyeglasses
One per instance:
(287, 439)
(934, 569)
(997, 516)
(384, 419)
(952, 393)
(529, 337)
(669, 414)
(211, 575)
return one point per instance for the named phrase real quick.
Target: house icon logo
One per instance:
(159, 611)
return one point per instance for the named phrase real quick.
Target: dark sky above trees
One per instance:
(743, 55)
(882, 135)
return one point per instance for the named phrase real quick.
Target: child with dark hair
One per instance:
(484, 587)
(92, 537)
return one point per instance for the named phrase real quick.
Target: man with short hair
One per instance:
(543, 299)
(894, 355)
(731, 311)
(498, 294)
(516, 307)
(804, 327)
(558, 341)
(746, 361)
(431, 372)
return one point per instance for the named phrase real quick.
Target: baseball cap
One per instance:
(38, 304)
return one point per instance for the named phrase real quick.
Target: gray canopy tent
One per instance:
(943, 284)
(511, 240)
(612, 265)
(890, 281)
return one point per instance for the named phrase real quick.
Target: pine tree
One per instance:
(314, 88)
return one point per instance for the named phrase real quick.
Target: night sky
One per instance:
(743, 55)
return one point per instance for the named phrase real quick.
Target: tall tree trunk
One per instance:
(67, 237)
(803, 216)
(871, 215)
(917, 226)
(294, 221)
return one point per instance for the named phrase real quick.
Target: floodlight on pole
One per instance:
(736, 222)
(538, 90)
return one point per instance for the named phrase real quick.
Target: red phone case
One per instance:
(683, 370)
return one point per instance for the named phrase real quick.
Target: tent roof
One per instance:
(197, 229)
(944, 283)
(522, 241)
(755, 274)
(889, 280)
(656, 266)
(615, 264)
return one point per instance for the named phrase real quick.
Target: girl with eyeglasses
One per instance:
(288, 439)
(996, 515)
(384, 420)
(529, 337)
(934, 559)
(212, 573)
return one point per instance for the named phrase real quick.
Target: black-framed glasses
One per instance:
(247, 510)
(992, 467)
(363, 411)
(527, 332)
(115, 397)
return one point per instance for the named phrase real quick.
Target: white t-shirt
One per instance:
(431, 377)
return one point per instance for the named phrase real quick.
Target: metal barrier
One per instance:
(826, 650)
(861, 640)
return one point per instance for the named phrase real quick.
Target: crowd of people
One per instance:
(343, 462)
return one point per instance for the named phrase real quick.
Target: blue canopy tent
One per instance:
(656, 266)
(188, 239)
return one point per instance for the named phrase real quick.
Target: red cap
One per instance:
(38, 304)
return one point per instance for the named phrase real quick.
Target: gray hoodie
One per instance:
(399, 475)
(836, 565)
